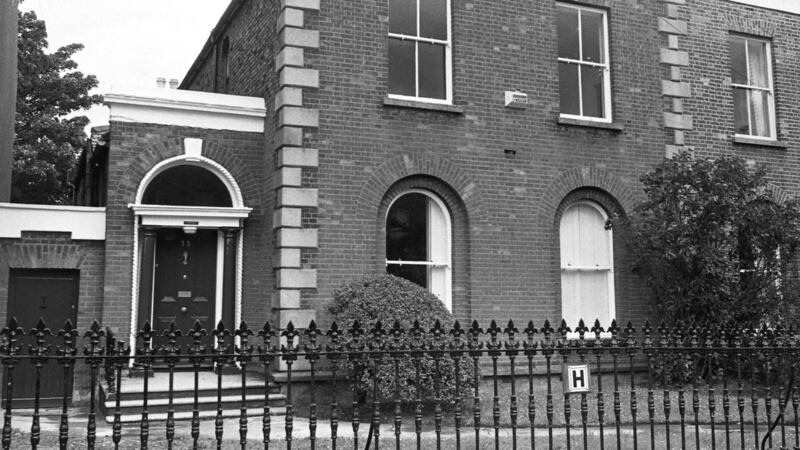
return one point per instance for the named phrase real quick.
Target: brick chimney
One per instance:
(8, 92)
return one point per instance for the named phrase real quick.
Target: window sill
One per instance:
(613, 126)
(413, 104)
(760, 142)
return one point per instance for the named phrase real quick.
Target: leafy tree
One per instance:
(714, 244)
(48, 88)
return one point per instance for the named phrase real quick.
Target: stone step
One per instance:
(204, 403)
(276, 414)
(131, 396)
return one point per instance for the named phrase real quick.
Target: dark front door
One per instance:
(185, 279)
(51, 295)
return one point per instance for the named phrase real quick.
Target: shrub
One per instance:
(714, 244)
(390, 299)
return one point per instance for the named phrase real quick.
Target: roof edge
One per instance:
(221, 25)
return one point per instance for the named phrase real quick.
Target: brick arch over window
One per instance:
(407, 165)
(459, 219)
(152, 154)
(779, 196)
(583, 177)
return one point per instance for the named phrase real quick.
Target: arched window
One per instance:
(587, 265)
(187, 185)
(418, 242)
(225, 67)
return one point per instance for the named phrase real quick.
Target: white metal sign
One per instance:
(576, 378)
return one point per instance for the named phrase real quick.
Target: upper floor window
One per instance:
(583, 69)
(419, 50)
(751, 79)
(418, 242)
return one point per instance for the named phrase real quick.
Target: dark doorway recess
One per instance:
(52, 295)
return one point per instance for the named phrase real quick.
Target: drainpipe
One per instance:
(8, 92)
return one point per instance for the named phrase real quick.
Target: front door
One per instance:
(185, 280)
(51, 295)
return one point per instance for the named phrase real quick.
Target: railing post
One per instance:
(197, 355)
(145, 360)
(220, 357)
(289, 355)
(171, 351)
(244, 354)
(312, 351)
(529, 349)
(456, 347)
(38, 353)
(266, 354)
(334, 349)
(66, 354)
(10, 350)
(94, 353)
(512, 350)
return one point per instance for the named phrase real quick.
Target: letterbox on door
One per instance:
(576, 378)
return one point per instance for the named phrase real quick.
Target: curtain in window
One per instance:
(759, 99)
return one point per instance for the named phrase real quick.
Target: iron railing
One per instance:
(701, 387)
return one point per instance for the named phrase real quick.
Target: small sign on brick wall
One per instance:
(576, 378)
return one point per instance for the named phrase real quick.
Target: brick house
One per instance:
(474, 147)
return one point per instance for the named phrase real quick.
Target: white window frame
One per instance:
(773, 129)
(612, 306)
(446, 297)
(607, 110)
(448, 63)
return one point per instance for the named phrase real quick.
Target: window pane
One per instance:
(407, 229)
(431, 70)
(592, 91)
(416, 274)
(738, 60)
(592, 36)
(568, 88)
(568, 33)
(433, 19)
(402, 79)
(740, 111)
(403, 17)
(759, 113)
(758, 63)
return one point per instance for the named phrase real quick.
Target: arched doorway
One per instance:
(188, 246)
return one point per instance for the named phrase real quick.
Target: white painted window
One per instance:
(583, 67)
(751, 80)
(418, 242)
(587, 265)
(420, 50)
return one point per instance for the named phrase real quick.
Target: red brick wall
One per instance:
(710, 23)
(44, 250)
(511, 201)
(135, 149)
(509, 221)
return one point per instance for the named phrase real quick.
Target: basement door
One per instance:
(53, 296)
(185, 280)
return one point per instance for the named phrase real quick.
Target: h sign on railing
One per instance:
(576, 378)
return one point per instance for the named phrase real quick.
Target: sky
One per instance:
(129, 43)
